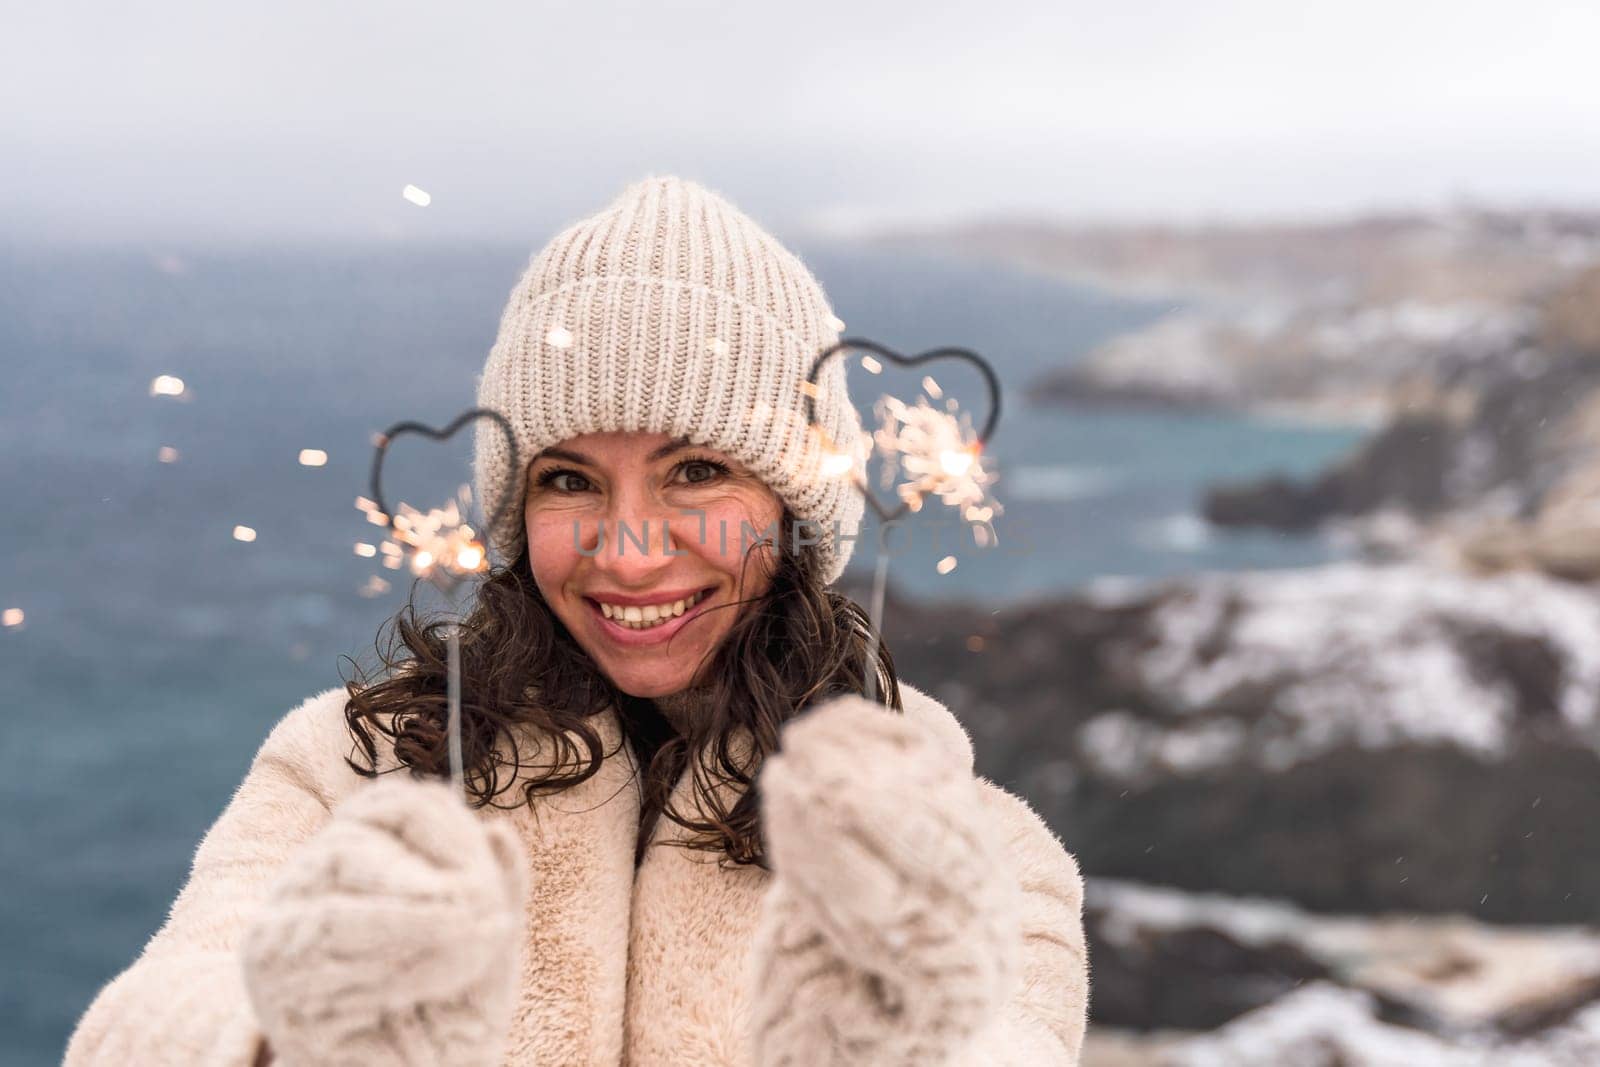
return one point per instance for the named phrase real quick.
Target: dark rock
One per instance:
(1530, 666)
(1165, 960)
(1517, 445)
(1275, 502)
(1070, 389)
(1363, 823)
(1402, 466)
(1195, 978)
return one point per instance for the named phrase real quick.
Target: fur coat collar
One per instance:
(666, 946)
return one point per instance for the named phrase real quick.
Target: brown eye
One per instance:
(563, 480)
(577, 484)
(700, 471)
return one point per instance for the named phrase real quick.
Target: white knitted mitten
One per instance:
(393, 935)
(891, 932)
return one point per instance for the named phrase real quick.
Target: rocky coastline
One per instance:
(1341, 814)
(1468, 342)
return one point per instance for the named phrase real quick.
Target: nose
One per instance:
(635, 543)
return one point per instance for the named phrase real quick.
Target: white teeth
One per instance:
(635, 617)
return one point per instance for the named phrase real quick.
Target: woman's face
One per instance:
(633, 537)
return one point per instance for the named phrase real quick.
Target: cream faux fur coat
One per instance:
(675, 962)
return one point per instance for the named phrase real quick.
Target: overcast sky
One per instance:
(304, 120)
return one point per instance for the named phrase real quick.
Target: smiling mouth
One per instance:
(647, 617)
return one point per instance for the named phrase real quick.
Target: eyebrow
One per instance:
(553, 452)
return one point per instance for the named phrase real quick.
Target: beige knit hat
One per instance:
(670, 311)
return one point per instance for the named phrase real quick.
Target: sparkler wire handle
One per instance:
(990, 380)
(386, 438)
(453, 658)
(880, 579)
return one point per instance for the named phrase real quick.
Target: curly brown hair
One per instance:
(797, 645)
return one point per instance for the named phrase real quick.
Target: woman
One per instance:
(690, 839)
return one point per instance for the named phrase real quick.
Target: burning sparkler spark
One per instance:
(940, 456)
(836, 463)
(166, 385)
(441, 545)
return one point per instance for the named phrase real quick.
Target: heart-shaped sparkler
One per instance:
(954, 459)
(931, 445)
(444, 548)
